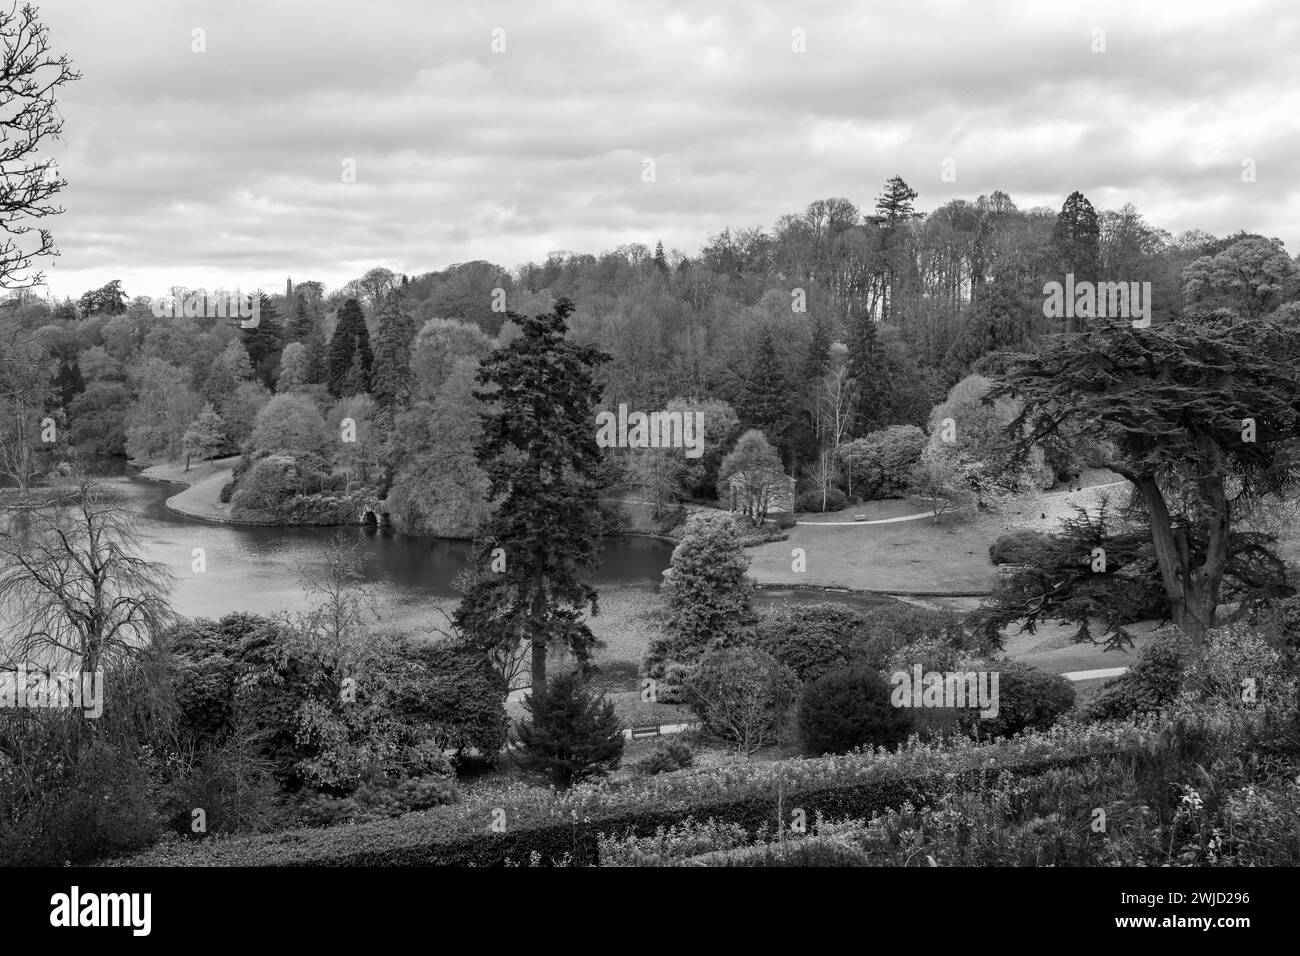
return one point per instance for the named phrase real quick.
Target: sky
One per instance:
(228, 167)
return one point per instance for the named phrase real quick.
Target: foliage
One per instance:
(811, 639)
(667, 755)
(573, 734)
(879, 464)
(539, 452)
(742, 695)
(761, 480)
(849, 708)
(708, 593)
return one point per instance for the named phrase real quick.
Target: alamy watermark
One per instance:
(201, 305)
(653, 430)
(1098, 300)
(953, 689)
(39, 687)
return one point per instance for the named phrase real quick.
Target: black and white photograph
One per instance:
(468, 435)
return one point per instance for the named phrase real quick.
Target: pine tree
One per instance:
(573, 735)
(393, 380)
(303, 327)
(894, 206)
(1076, 238)
(539, 452)
(765, 400)
(893, 209)
(68, 382)
(264, 341)
(869, 368)
(660, 260)
(349, 346)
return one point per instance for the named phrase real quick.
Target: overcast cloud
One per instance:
(224, 168)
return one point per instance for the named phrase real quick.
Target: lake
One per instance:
(260, 569)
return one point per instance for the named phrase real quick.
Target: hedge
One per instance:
(548, 828)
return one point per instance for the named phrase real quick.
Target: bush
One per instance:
(667, 755)
(850, 708)
(96, 803)
(881, 462)
(268, 484)
(811, 501)
(810, 639)
(552, 829)
(784, 521)
(1028, 698)
(741, 694)
(1023, 548)
(897, 624)
(572, 735)
(227, 490)
(1150, 684)
(708, 592)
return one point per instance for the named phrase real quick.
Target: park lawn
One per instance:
(202, 496)
(912, 556)
(921, 556)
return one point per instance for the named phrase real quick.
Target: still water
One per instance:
(261, 569)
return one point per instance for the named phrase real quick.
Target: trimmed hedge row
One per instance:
(549, 828)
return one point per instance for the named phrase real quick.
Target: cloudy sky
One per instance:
(226, 168)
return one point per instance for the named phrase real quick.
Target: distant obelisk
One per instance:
(288, 289)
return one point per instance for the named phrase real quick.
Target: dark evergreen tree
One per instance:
(1076, 240)
(539, 452)
(893, 209)
(303, 327)
(393, 380)
(660, 260)
(264, 341)
(765, 398)
(573, 734)
(350, 345)
(869, 367)
(68, 383)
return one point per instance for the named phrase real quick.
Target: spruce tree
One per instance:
(1076, 240)
(393, 380)
(573, 735)
(765, 399)
(349, 346)
(535, 555)
(264, 341)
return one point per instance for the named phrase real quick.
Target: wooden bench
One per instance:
(859, 517)
(645, 730)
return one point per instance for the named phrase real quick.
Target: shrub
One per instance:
(1152, 682)
(812, 500)
(850, 708)
(268, 484)
(708, 592)
(1234, 655)
(880, 463)
(784, 521)
(741, 694)
(897, 624)
(1022, 547)
(227, 490)
(667, 755)
(810, 639)
(572, 735)
(672, 844)
(1028, 698)
(570, 825)
(91, 802)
